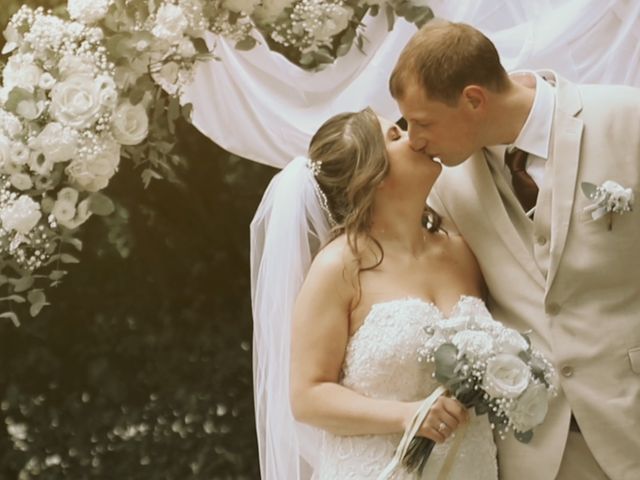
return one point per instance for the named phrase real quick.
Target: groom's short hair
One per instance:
(444, 57)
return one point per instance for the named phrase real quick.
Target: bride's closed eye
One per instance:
(394, 133)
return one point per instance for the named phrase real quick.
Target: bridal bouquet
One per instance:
(489, 367)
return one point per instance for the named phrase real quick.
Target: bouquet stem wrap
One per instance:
(410, 433)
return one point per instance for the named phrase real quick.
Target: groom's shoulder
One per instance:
(611, 97)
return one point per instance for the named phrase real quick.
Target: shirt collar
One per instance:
(535, 136)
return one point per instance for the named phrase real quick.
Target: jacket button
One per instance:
(553, 308)
(567, 371)
(542, 241)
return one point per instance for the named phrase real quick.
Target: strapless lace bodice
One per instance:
(381, 362)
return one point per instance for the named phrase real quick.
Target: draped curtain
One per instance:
(259, 106)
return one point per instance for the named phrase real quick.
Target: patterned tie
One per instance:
(524, 187)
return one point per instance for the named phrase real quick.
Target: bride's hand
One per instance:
(444, 418)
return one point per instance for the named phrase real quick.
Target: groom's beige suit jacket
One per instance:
(572, 281)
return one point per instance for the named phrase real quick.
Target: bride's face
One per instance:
(408, 169)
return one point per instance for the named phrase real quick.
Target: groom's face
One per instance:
(447, 132)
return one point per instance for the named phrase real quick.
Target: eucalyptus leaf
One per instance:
(590, 190)
(187, 110)
(22, 284)
(391, 16)
(67, 258)
(14, 298)
(246, 43)
(200, 45)
(446, 359)
(11, 316)
(100, 204)
(524, 437)
(56, 275)
(323, 56)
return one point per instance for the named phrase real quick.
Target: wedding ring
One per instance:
(442, 427)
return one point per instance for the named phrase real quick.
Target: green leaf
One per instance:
(306, 60)
(391, 16)
(136, 95)
(187, 110)
(11, 316)
(14, 298)
(75, 242)
(148, 174)
(200, 45)
(524, 437)
(56, 275)
(323, 56)
(22, 284)
(446, 359)
(100, 204)
(590, 190)
(246, 43)
(38, 300)
(67, 258)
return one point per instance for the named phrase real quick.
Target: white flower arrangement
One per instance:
(489, 367)
(82, 94)
(608, 198)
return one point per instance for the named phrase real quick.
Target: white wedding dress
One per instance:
(381, 361)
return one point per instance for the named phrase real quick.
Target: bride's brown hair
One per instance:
(353, 159)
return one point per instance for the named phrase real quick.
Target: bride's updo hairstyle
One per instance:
(350, 151)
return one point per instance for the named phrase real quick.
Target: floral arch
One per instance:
(105, 81)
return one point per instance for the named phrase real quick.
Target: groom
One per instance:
(521, 146)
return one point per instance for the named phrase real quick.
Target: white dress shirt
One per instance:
(535, 136)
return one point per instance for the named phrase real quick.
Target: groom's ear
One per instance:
(474, 97)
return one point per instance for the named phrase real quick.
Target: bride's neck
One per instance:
(399, 227)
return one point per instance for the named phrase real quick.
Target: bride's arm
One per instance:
(319, 338)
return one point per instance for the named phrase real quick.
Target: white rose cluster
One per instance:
(21, 215)
(130, 123)
(491, 367)
(21, 71)
(93, 172)
(170, 23)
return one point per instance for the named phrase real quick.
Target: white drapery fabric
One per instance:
(259, 106)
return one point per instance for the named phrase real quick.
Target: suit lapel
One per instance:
(566, 160)
(494, 207)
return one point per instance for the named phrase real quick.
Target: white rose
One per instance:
(244, 6)
(510, 341)
(88, 11)
(530, 408)
(10, 124)
(130, 123)
(56, 143)
(334, 25)
(473, 343)
(170, 23)
(46, 81)
(506, 376)
(20, 71)
(75, 102)
(451, 326)
(21, 181)
(64, 211)
(93, 173)
(21, 215)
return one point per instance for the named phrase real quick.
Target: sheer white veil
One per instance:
(286, 232)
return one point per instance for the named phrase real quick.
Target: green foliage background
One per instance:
(141, 368)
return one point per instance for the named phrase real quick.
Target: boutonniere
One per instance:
(608, 198)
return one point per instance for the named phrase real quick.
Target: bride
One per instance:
(383, 270)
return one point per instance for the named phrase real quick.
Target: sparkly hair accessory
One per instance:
(314, 166)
